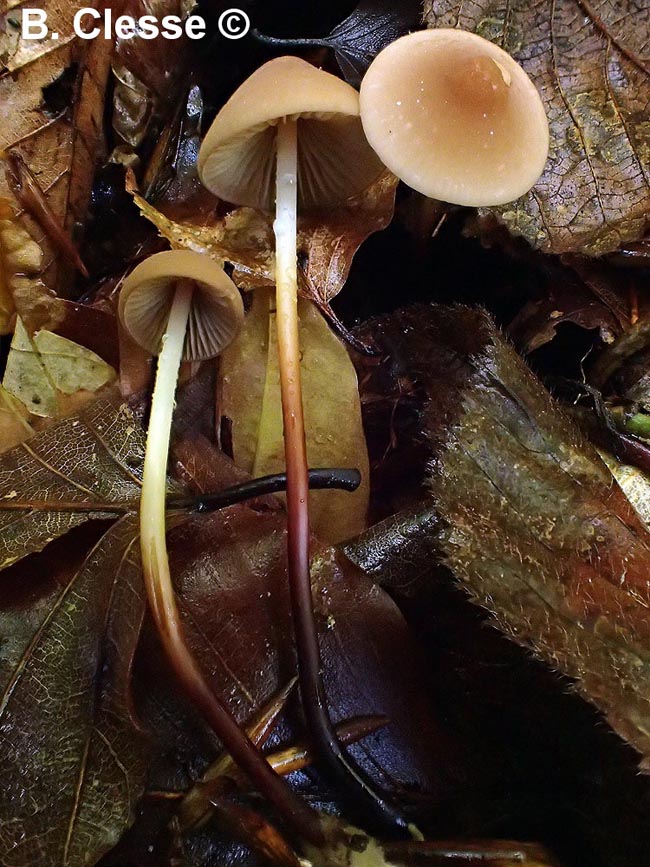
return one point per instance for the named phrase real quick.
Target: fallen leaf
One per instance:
(72, 755)
(251, 400)
(43, 370)
(244, 237)
(589, 63)
(60, 143)
(84, 467)
(14, 421)
(20, 256)
(525, 513)
(238, 557)
(371, 26)
(148, 72)
(327, 241)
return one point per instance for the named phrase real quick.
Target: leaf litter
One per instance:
(72, 473)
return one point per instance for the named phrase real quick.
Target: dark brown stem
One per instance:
(314, 700)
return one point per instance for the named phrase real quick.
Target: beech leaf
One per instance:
(72, 756)
(251, 400)
(590, 63)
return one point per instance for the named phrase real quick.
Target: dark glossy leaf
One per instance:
(531, 520)
(361, 36)
(72, 756)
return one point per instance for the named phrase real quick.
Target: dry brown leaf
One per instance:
(327, 241)
(589, 60)
(60, 145)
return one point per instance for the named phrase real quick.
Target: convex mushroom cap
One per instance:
(335, 162)
(148, 292)
(455, 117)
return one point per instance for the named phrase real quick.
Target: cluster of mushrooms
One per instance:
(455, 118)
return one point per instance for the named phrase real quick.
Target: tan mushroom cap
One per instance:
(147, 294)
(455, 117)
(237, 157)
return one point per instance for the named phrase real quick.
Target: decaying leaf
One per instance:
(20, 256)
(86, 466)
(72, 756)
(327, 241)
(251, 400)
(50, 374)
(528, 516)
(589, 62)
(51, 109)
(148, 72)
(244, 237)
(14, 421)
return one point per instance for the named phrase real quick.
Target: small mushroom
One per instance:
(291, 137)
(455, 117)
(181, 305)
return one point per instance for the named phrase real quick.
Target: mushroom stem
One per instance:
(312, 692)
(160, 590)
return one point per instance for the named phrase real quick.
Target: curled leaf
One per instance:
(327, 241)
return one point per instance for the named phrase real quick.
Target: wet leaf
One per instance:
(239, 558)
(590, 65)
(50, 374)
(51, 108)
(86, 466)
(148, 72)
(327, 241)
(72, 756)
(527, 515)
(362, 35)
(251, 400)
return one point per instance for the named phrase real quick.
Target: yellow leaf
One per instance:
(14, 424)
(20, 257)
(42, 371)
(634, 483)
(335, 437)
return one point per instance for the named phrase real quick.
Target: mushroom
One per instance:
(290, 137)
(181, 305)
(455, 118)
